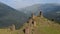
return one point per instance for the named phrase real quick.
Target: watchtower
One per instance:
(31, 23)
(27, 30)
(52, 19)
(33, 16)
(12, 27)
(40, 14)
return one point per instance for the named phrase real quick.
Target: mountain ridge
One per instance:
(10, 16)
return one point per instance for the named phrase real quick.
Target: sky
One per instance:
(24, 3)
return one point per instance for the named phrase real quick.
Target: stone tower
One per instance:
(12, 27)
(33, 16)
(40, 14)
(52, 19)
(27, 30)
(31, 25)
(32, 21)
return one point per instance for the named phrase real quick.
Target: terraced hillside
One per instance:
(43, 26)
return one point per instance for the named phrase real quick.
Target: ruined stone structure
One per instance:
(26, 30)
(40, 14)
(31, 24)
(32, 21)
(12, 27)
(33, 16)
(52, 19)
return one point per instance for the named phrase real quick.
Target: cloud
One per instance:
(24, 3)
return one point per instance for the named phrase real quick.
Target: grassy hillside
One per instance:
(47, 27)
(44, 26)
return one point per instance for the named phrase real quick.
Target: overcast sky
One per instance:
(24, 3)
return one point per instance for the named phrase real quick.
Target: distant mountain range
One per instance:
(50, 11)
(9, 16)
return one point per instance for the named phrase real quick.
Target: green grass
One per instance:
(7, 31)
(47, 27)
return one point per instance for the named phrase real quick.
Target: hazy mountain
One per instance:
(10, 16)
(28, 10)
(49, 10)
